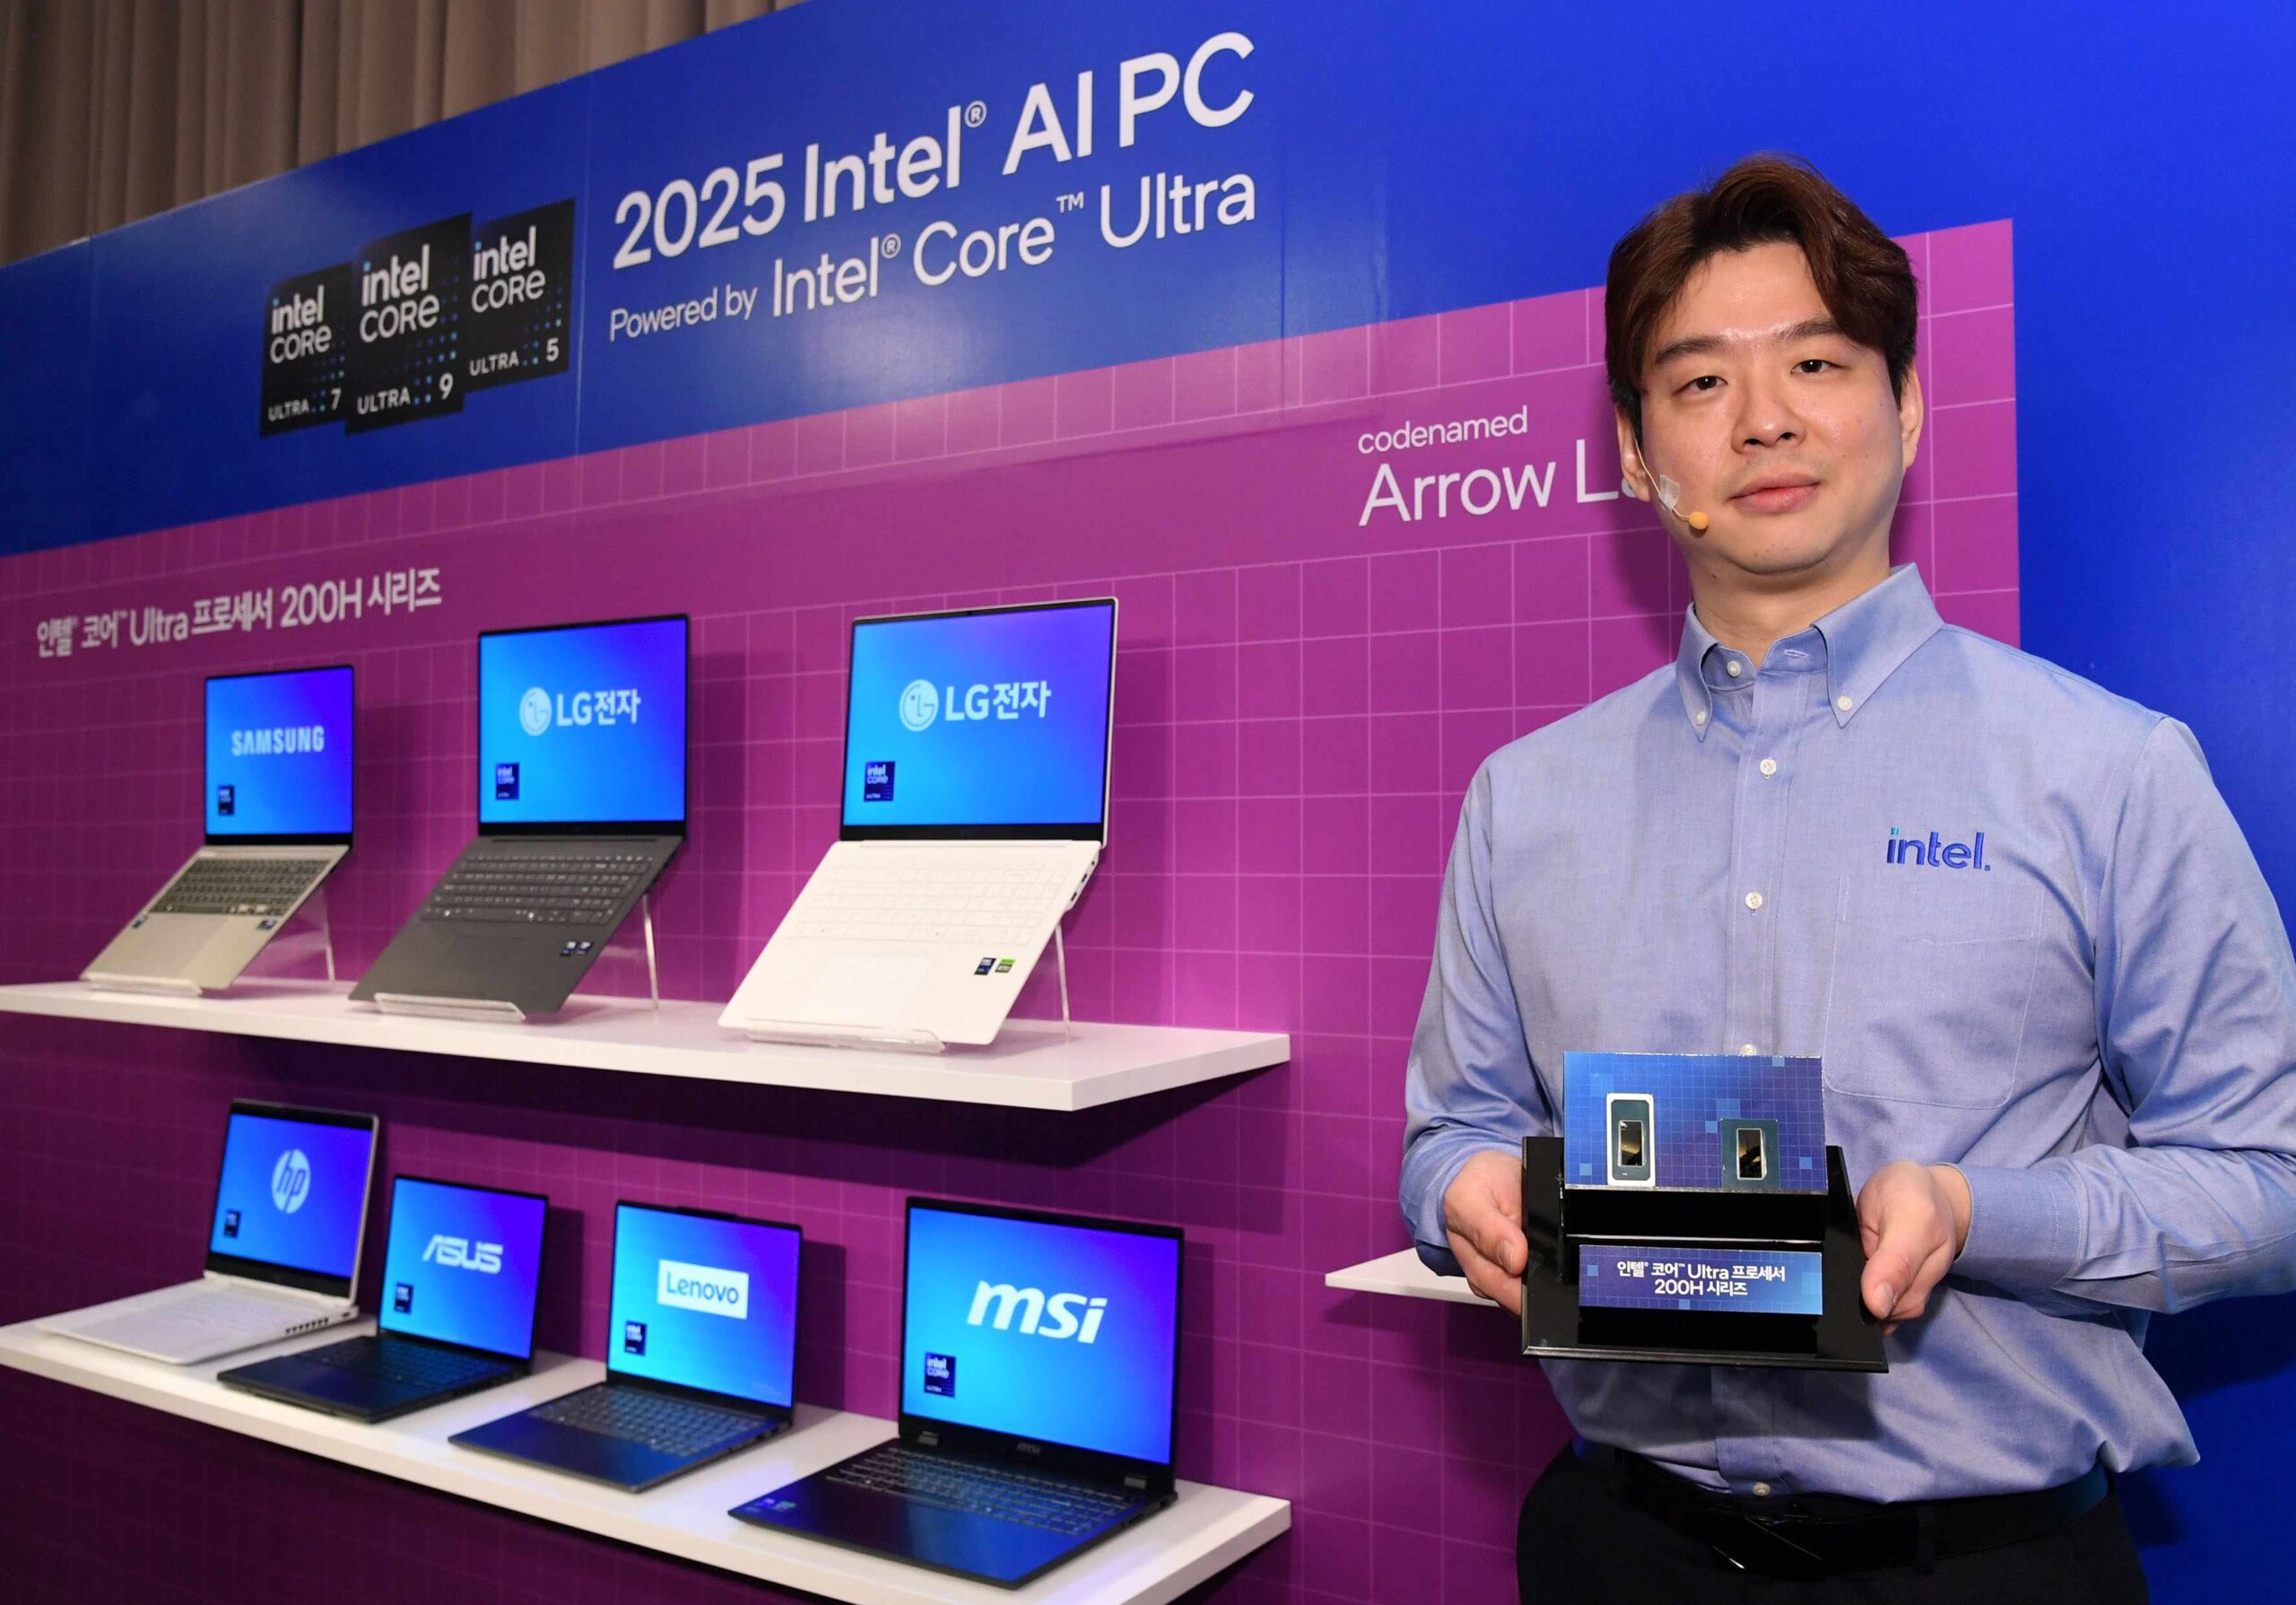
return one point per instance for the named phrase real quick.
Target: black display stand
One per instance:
(1558, 1219)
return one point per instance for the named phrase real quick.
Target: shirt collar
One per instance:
(1865, 639)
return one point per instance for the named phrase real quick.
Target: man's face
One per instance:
(1782, 429)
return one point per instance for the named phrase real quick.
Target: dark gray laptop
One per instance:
(581, 802)
(701, 1339)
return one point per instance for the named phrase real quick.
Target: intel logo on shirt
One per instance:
(1933, 853)
(704, 1288)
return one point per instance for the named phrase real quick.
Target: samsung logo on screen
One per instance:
(1040, 1317)
(278, 741)
(703, 1288)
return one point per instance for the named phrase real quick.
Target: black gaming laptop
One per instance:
(457, 1309)
(1039, 1372)
(701, 1338)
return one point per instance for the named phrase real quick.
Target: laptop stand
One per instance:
(813, 1033)
(622, 946)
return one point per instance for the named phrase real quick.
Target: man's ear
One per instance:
(1629, 458)
(1913, 412)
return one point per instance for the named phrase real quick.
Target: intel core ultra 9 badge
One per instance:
(406, 347)
(305, 343)
(521, 298)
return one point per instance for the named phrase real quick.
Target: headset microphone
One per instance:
(1670, 493)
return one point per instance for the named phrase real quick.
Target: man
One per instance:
(2058, 1064)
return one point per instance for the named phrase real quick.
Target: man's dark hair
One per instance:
(1862, 274)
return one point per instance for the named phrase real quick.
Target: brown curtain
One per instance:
(114, 109)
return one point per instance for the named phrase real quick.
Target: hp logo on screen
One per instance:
(534, 711)
(291, 1182)
(921, 704)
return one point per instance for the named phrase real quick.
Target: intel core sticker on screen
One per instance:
(1750, 1280)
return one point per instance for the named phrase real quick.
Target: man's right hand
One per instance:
(1483, 1216)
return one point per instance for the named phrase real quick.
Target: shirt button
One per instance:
(1844, 703)
(1697, 718)
(1769, 766)
(1753, 900)
(1748, 1049)
(1733, 669)
(1761, 1489)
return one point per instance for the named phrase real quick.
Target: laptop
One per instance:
(581, 801)
(1039, 1380)
(278, 816)
(283, 1246)
(976, 805)
(458, 1313)
(701, 1341)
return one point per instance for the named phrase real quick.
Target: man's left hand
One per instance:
(1913, 1219)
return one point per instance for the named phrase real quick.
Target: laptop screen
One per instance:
(292, 1192)
(982, 724)
(463, 1265)
(583, 726)
(1058, 1332)
(279, 756)
(705, 1301)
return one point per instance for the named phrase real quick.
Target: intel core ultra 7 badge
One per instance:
(407, 328)
(305, 343)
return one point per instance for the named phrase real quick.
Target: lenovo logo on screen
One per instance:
(461, 1253)
(1062, 1315)
(703, 1288)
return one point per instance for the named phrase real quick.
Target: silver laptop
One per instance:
(975, 786)
(278, 778)
(283, 1248)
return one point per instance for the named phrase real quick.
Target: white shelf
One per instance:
(1402, 1274)
(1206, 1531)
(1029, 1066)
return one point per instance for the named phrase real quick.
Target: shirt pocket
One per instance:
(1932, 979)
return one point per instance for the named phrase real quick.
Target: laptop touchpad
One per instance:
(864, 990)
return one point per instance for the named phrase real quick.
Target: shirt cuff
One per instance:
(2024, 1227)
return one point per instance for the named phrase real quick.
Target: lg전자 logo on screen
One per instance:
(291, 1182)
(921, 704)
(704, 1290)
(1056, 1317)
(534, 711)
(461, 1253)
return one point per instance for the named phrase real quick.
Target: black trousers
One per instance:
(1577, 1543)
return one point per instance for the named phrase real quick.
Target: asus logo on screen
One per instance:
(922, 703)
(1040, 1317)
(278, 740)
(704, 1288)
(538, 709)
(461, 1253)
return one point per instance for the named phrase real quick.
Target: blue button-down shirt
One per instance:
(2092, 1014)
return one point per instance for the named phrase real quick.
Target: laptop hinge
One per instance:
(1136, 1483)
(931, 1440)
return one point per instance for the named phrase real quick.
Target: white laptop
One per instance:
(282, 1250)
(976, 805)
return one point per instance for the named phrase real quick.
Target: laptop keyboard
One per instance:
(1041, 1502)
(575, 886)
(672, 1426)
(996, 900)
(199, 1317)
(414, 1363)
(236, 886)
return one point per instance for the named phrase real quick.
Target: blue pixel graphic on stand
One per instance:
(1711, 1121)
